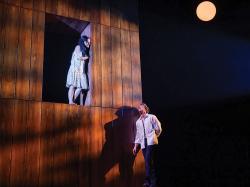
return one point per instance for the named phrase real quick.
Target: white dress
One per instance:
(77, 75)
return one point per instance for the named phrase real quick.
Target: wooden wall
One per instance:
(115, 69)
(51, 144)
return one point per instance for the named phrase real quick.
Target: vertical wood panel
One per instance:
(14, 2)
(47, 154)
(96, 67)
(126, 68)
(19, 133)
(74, 9)
(136, 68)
(106, 66)
(24, 53)
(96, 134)
(51, 6)
(2, 47)
(59, 157)
(105, 12)
(115, 14)
(27, 4)
(63, 7)
(33, 143)
(72, 148)
(39, 5)
(116, 67)
(84, 10)
(6, 125)
(108, 158)
(84, 146)
(36, 66)
(94, 7)
(10, 52)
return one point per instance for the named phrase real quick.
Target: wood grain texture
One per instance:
(116, 67)
(136, 68)
(126, 68)
(105, 12)
(6, 125)
(51, 144)
(33, 143)
(9, 63)
(85, 10)
(106, 67)
(85, 141)
(51, 6)
(96, 67)
(46, 145)
(96, 137)
(115, 14)
(39, 5)
(63, 8)
(27, 4)
(36, 64)
(75, 9)
(94, 7)
(2, 44)
(19, 132)
(24, 54)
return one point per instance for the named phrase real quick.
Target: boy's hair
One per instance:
(146, 107)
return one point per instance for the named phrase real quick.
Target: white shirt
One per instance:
(152, 130)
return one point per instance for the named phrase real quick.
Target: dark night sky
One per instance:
(196, 79)
(186, 61)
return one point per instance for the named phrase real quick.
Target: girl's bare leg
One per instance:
(71, 94)
(77, 92)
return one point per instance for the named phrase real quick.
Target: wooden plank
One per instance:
(72, 144)
(33, 143)
(126, 68)
(59, 148)
(74, 9)
(116, 67)
(2, 44)
(39, 5)
(10, 53)
(51, 6)
(96, 134)
(36, 66)
(6, 125)
(19, 133)
(108, 163)
(96, 67)
(27, 4)
(94, 7)
(46, 145)
(106, 66)
(84, 10)
(105, 12)
(13, 2)
(63, 7)
(24, 53)
(136, 68)
(115, 14)
(84, 146)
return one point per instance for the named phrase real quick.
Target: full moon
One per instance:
(206, 11)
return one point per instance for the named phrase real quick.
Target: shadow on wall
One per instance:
(117, 149)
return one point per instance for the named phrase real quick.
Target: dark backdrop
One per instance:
(196, 79)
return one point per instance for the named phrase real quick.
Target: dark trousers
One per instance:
(149, 157)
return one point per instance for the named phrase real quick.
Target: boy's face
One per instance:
(142, 109)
